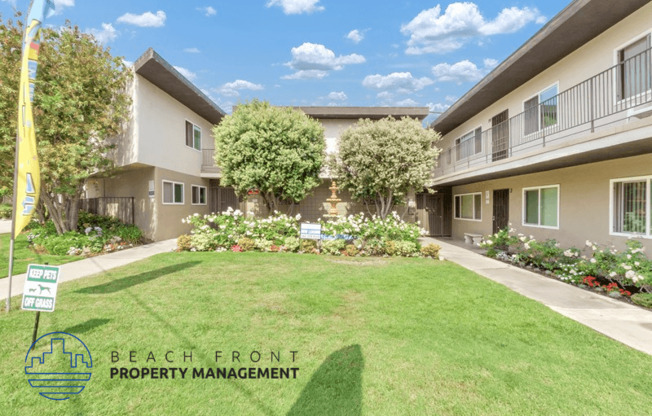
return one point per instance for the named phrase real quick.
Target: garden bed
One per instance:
(622, 275)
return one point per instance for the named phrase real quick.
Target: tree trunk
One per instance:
(63, 209)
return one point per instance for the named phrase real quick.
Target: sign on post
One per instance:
(40, 291)
(310, 231)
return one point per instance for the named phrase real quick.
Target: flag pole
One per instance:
(13, 227)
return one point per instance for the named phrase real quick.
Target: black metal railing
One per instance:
(599, 101)
(121, 208)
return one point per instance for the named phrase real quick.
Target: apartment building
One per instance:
(556, 140)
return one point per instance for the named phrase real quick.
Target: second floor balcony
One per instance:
(611, 98)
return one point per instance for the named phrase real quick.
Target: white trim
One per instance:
(183, 192)
(524, 207)
(201, 135)
(468, 219)
(205, 194)
(538, 95)
(648, 206)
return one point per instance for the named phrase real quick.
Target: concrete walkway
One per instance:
(87, 267)
(5, 226)
(625, 323)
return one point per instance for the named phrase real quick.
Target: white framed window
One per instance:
(541, 206)
(193, 135)
(541, 111)
(634, 73)
(173, 193)
(630, 206)
(468, 206)
(198, 195)
(468, 145)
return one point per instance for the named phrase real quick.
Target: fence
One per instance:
(121, 208)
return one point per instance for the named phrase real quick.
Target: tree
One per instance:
(380, 161)
(277, 150)
(81, 99)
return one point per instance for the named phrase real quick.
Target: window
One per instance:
(634, 69)
(193, 136)
(172, 193)
(198, 195)
(630, 206)
(540, 111)
(541, 206)
(469, 144)
(468, 206)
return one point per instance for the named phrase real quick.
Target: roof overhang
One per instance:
(373, 113)
(159, 72)
(577, 24)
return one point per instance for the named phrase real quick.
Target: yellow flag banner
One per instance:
(28, 175)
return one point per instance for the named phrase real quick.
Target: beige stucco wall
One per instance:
(584, 198)
(168, 217)
(594, 57)
(156, 134)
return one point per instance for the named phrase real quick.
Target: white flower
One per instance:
(636, 263)
(594, 248)
(629, 257)
(526, 246)
(593, 261)
(631, 274)
(613, 274)
(588, 243)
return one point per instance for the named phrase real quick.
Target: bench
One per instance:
(472, 238)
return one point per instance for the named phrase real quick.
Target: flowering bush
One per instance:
(95, 234)
(279, 232)
(627, 268)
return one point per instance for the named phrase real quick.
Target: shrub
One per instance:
(263, 245)
(333, 247)
(203, 242)
(351, 250)
(375, 247)
(5, 211)
(390, 248)
(431, 250)
(291, 244)
(643, 299)
(308, 246)
(184, 242)
(406, 248)
(246, 244)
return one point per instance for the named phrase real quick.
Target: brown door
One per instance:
(501, 209)
(499, 136)
(436, 218)
(221, 198)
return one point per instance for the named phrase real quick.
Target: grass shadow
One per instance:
(86, 326)
(336, 386)
(130, 281)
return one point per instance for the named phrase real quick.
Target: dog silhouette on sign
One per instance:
(43, 288)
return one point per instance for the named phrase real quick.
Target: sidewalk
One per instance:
(5, 226)
(87, 267)
(625, 323)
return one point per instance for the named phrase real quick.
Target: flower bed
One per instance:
(95, 234)
(355, 235)
(607, 270)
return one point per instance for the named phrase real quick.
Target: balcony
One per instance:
(606, 100)
(208, 168)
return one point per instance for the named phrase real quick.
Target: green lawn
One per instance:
(374, 337)
(23, 256)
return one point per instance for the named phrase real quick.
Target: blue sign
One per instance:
(58, 365)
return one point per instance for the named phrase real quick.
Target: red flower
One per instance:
(236, 249)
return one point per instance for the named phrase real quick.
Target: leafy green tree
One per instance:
(81, 99)
(379, 162)
(276, 150)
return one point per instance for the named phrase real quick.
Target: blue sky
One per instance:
(316, 52)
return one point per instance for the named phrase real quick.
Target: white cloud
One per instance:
(355, 35)
(11, 2)
(433, 32)
(438, 107)
(314, 61)
(232, 89)
(208, 11)
(297, 6)
(106, 34)
(147, 19)
(337, 96)
(408, 102)
(463, 71)
(186, 73)
(192, 50)
(398, 82)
